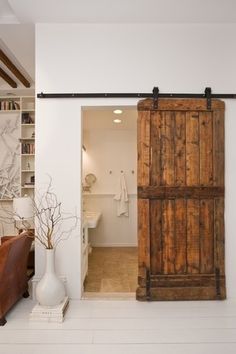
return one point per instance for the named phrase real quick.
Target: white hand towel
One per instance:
(122, 197)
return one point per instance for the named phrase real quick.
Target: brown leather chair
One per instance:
(14, 252)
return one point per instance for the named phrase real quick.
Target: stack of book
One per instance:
(28, 148)
(26, 118)
(9, 105)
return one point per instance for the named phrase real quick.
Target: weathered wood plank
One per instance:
(168, 236)
(167, 149)
(165, 104)
(181, 293)
(206, 236)
(143, 236)
(192, 148)
(180, 236)
(182, 280)
(218, 148)
(193, 236)
(180, 149)
(153, 192)
(219, 235)
(156, 236)
(206, 147)
(155, 172)
(143, 148)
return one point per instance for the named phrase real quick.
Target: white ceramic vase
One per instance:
(50, 290)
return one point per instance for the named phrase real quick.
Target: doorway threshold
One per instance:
(108, 296)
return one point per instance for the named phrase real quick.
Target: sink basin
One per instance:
(92, 218)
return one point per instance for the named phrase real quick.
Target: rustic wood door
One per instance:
(181, 200)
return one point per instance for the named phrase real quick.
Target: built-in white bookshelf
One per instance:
(22, 110)
(27, 145)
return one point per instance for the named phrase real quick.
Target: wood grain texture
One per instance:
(193, 247)
(194, 192)
(143, 148)
(167, 149)
(156, 128)
(171, 104)
(168, 236)
(184, 280)
(219, 234)
(180, 151)
(206, 236)
(192, 149)
(143, 236)
(206, 147)
(180, 236)
(182, 293)
(156, 248)
(218, 148)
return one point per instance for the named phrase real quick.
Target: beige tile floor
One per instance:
(112, 269)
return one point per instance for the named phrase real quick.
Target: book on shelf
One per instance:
(9, 105)
(26, 118)
(27, 148)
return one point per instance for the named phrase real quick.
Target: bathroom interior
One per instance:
(109, 242)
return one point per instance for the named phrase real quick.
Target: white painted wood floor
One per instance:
(126, 327)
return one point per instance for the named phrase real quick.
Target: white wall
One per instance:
(125, 58)
(111, 150)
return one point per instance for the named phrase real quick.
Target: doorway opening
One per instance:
(109, 199)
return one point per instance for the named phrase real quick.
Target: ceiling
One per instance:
(119, 11)
(101, 118)
(17, 42)
(7, 15)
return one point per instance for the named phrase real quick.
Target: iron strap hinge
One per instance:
(155, 92)
(208, 97)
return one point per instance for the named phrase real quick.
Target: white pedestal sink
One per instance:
(92, 218)
(90, 221)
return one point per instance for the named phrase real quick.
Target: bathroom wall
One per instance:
(110, 149)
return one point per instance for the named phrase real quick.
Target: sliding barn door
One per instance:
(181, 200)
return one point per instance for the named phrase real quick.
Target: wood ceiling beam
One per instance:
(7, 78)
(6, 61)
